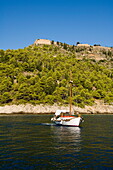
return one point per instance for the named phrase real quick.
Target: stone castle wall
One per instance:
(42, 41)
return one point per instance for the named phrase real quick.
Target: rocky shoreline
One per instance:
(50, 109)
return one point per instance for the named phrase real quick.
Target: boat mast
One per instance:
(70, 104)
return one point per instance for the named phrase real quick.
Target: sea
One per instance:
(32, 142)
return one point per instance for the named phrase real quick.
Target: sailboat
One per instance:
(65, 118)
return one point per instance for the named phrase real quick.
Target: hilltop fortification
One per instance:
(42, 41)
(81, 51)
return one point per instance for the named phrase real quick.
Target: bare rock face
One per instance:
(28, 108)
(50, 109)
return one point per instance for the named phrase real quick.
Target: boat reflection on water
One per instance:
(68, 138)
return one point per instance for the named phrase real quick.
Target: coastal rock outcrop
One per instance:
(50, 109)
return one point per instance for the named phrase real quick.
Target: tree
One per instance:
(49, 85)
(65, 46)
(5, 98)
(58, 43)
(49, 99)
(61, 94)
(52, 42)
(77, 43)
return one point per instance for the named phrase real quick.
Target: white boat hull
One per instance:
(68, 121)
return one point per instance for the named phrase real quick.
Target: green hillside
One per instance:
(40, 74)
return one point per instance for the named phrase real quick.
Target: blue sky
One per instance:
(69, 21)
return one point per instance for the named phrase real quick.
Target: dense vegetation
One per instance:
(41, 74)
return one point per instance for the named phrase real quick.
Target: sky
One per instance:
(69, 21)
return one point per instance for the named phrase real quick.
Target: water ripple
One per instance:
(32, 142)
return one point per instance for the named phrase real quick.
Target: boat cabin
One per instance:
(62, 113)
(65, 113)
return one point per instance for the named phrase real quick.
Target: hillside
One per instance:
(40, 73)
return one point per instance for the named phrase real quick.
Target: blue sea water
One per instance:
(33, 142)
